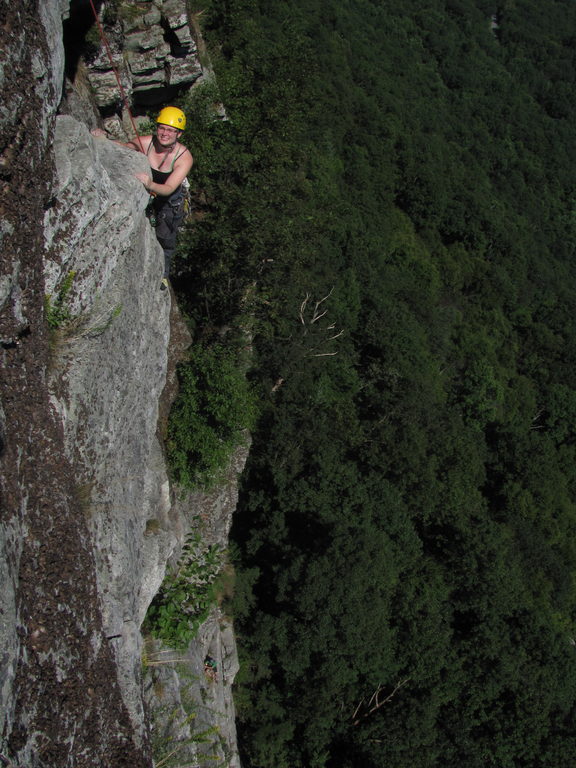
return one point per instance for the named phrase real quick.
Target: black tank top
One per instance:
(161, 177)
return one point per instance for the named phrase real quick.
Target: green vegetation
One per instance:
(120, 9)
(405, 534)
(213, 410)
(186, 595)
(59, 316)
(57, 312)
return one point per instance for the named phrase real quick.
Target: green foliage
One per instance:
(186, 595)
(92, 41)
(57, 311)
(214, 408)
(408, 511)
(114, 10)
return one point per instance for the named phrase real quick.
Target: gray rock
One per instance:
(148, 61)
(102, 61)
(47, 71)
(181, 71)
(174, 11)
(175, 689)
(144, 40)
(145, 17)
(150, 67)
(109, 373)
(114, 128)
(105, 86)
(78, 101)
(152, 17)
(107, 376)
(191, 704)
(154, 79)
(185, 39)
(10, 552)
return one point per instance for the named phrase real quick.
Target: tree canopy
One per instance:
(391, 202)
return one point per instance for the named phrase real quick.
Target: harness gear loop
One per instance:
(120, 86)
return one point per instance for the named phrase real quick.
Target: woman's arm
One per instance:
(182, 168)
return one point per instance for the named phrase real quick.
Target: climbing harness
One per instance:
(151, 212)
(120, 86)
(187, 195)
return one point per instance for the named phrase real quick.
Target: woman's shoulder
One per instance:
(145, 141)
(183, 152)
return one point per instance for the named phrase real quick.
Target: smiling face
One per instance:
(166, 135)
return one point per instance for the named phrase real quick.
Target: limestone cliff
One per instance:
(107, 375)
(153, 50)
(87, 522)
(60, 696)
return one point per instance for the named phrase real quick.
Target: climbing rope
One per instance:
(122, 92)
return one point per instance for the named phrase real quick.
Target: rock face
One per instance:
(178, 683)
(86, 516)
(108, 372)
(61, 697)
(152, 50)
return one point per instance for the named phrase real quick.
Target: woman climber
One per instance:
(170, 163)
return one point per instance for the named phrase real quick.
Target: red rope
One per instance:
(122, 92)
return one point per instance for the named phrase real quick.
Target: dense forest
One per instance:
(389, 211)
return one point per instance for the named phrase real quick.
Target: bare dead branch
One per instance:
(357, 709)
(303, 308)
(374, 703)
(325, 297)
(307, 319)
(277, 384)
(317, 316)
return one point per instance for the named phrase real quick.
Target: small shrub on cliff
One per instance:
(57, 311)
(184, 599)
(213, 409)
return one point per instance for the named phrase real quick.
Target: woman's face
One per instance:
(166, 135)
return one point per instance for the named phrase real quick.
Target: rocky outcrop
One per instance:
(61, 702)
(191, 703)
(108, 372)
(152, 50)
(86, 521)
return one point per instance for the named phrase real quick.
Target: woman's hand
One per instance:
(98, 132)
(145, 179)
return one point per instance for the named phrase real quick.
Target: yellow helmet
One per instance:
(172, 116)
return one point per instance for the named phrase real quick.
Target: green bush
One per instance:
(57, 311)
(184, 599)
(214, 407)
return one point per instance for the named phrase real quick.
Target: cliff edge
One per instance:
(86, 520)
